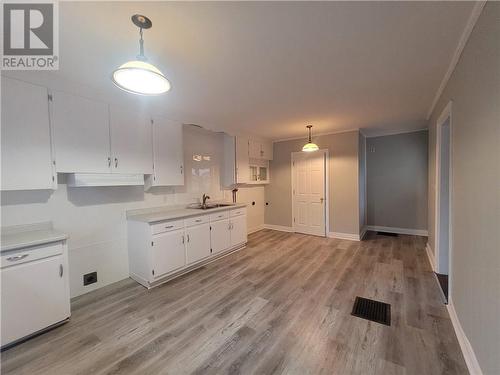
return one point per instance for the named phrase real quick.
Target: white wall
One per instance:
(94, 217)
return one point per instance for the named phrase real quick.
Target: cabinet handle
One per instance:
(183, 239)
(15, 258)
(116, 162)
(169, 226)
(61, 270)
(188, 237)
(181, 169)
(109, 162)
(198, 221)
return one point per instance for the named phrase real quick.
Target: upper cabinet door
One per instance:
(130, 142)
(254, 149)
(242, 163)
(26, 148)
(81, 134)
(168, 153)
(267, 150)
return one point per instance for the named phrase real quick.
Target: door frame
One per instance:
(326, 157)
(445, 115)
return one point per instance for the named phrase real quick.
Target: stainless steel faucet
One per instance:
(204, 201)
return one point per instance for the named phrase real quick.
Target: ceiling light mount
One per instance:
(139, 76)
(310, 146)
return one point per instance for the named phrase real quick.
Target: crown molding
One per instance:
(469, 26)
(316, 135)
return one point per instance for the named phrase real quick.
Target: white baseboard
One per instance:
(467, 351)
(344, 236)
(430, 256)
(256, 229)
(415, 232)
(363, 233)
(281, 228)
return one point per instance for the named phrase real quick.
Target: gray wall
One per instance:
(343, 194)
(474, 88)
(397, 180)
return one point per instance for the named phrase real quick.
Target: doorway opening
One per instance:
(309, 192)
(443, 200)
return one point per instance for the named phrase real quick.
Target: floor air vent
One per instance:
(375, 311)
(387, 234)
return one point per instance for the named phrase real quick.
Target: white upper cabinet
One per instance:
(242, 162)
(168, 153)
(80, 129)
(131, 150)
(260, 150)
(25, 132)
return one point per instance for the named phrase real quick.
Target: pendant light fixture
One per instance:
(139, 76)
(309, 146)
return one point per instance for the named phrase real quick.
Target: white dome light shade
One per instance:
(140, 77)
(310, 147)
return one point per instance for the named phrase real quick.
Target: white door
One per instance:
(242, 162)
(80, 129)
(26, 149)
(197, 243)
(33, 297)
(309, 192)
(169, 252)
(220, 236)
(238, 230)
(131, 148)
(168, 152)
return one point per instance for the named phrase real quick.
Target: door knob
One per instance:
(321, 199)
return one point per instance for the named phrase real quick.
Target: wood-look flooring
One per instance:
(280, 306)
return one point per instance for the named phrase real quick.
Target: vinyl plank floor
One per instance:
(280, 306)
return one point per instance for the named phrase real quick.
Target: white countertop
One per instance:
(21, 236)
(154, 214)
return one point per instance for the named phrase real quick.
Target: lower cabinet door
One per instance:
(197, 242)
(169, 252)
(220, 237)
(33, 297)
(238, 230)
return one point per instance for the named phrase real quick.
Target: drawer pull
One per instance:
(17, 257)
(169, 226)
(198, 220)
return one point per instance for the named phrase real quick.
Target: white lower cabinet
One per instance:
(197, 242)
(220, 236)
(238, 229)
(161, 250)
(168, 252)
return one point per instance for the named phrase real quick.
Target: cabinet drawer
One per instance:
(167, 226)
(238, 212)
(15, 257)
(196, 220)
(219, 216)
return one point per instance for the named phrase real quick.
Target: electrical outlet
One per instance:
(89, 278)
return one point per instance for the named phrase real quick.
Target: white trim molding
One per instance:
(465, 345)
(383, 133)
(344, 236)
(469, 26)
(280, 228)
(430, 256)
(256, 229)
(415, 232)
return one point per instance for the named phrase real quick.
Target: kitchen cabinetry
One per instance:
(80, 130)
(90, 137)
(168, 157)
(34, 289)
(130, 141)
(161, 250)
(168, 252)
(25, 133)
(260, 150)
